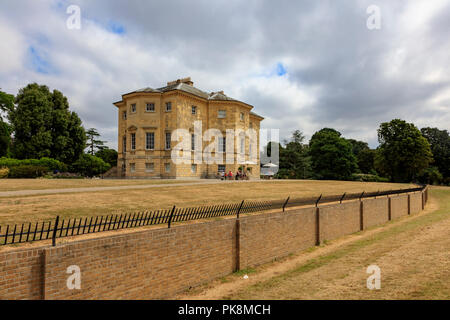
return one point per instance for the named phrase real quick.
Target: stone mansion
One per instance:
(148, 117)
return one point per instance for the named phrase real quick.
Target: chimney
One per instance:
(184, 80)
(187, 81)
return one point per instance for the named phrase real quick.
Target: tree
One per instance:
(5, 138)
(93, 143)
(68, 135)
(295, 162)
(331, 155)
(358, 146)
(403, 152)
(89, 165)
(108, 155)
(31, 120)
(439, 141)
(366, 161)
(364, 155)
(6, 104)
(43, 125)
(77, 142)
(6, 101)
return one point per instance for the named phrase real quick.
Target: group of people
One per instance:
(229, 176)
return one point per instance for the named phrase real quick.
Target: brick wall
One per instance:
(416, 202)
(21, 274)
(338, 220)
(273, 235)
(161, 262)
(145, 265)
(399, 206)
(375, 212)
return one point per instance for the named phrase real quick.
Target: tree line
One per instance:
(404, 154)
(42, 128)
(43, 134)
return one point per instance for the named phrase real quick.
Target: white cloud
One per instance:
(11, 49)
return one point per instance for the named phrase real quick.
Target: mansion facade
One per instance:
(148, 119)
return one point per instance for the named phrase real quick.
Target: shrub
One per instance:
(74, 176)
(63, 175)
(89, 165)
(368, 178)
(52, 164)
(431, 175)
(4, 173)
(285, 174)
(446, 181)
(27, 171)
(108, 155)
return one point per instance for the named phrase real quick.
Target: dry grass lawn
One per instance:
(22, 209)
(45, 184)
(412, 253)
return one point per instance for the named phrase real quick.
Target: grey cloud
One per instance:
(324, 45)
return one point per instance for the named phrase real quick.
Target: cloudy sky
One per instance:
(303, 64)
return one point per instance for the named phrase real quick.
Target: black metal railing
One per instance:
(39, 231)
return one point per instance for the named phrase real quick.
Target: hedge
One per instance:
(49, 163)
(26, 171)
(368, 178)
